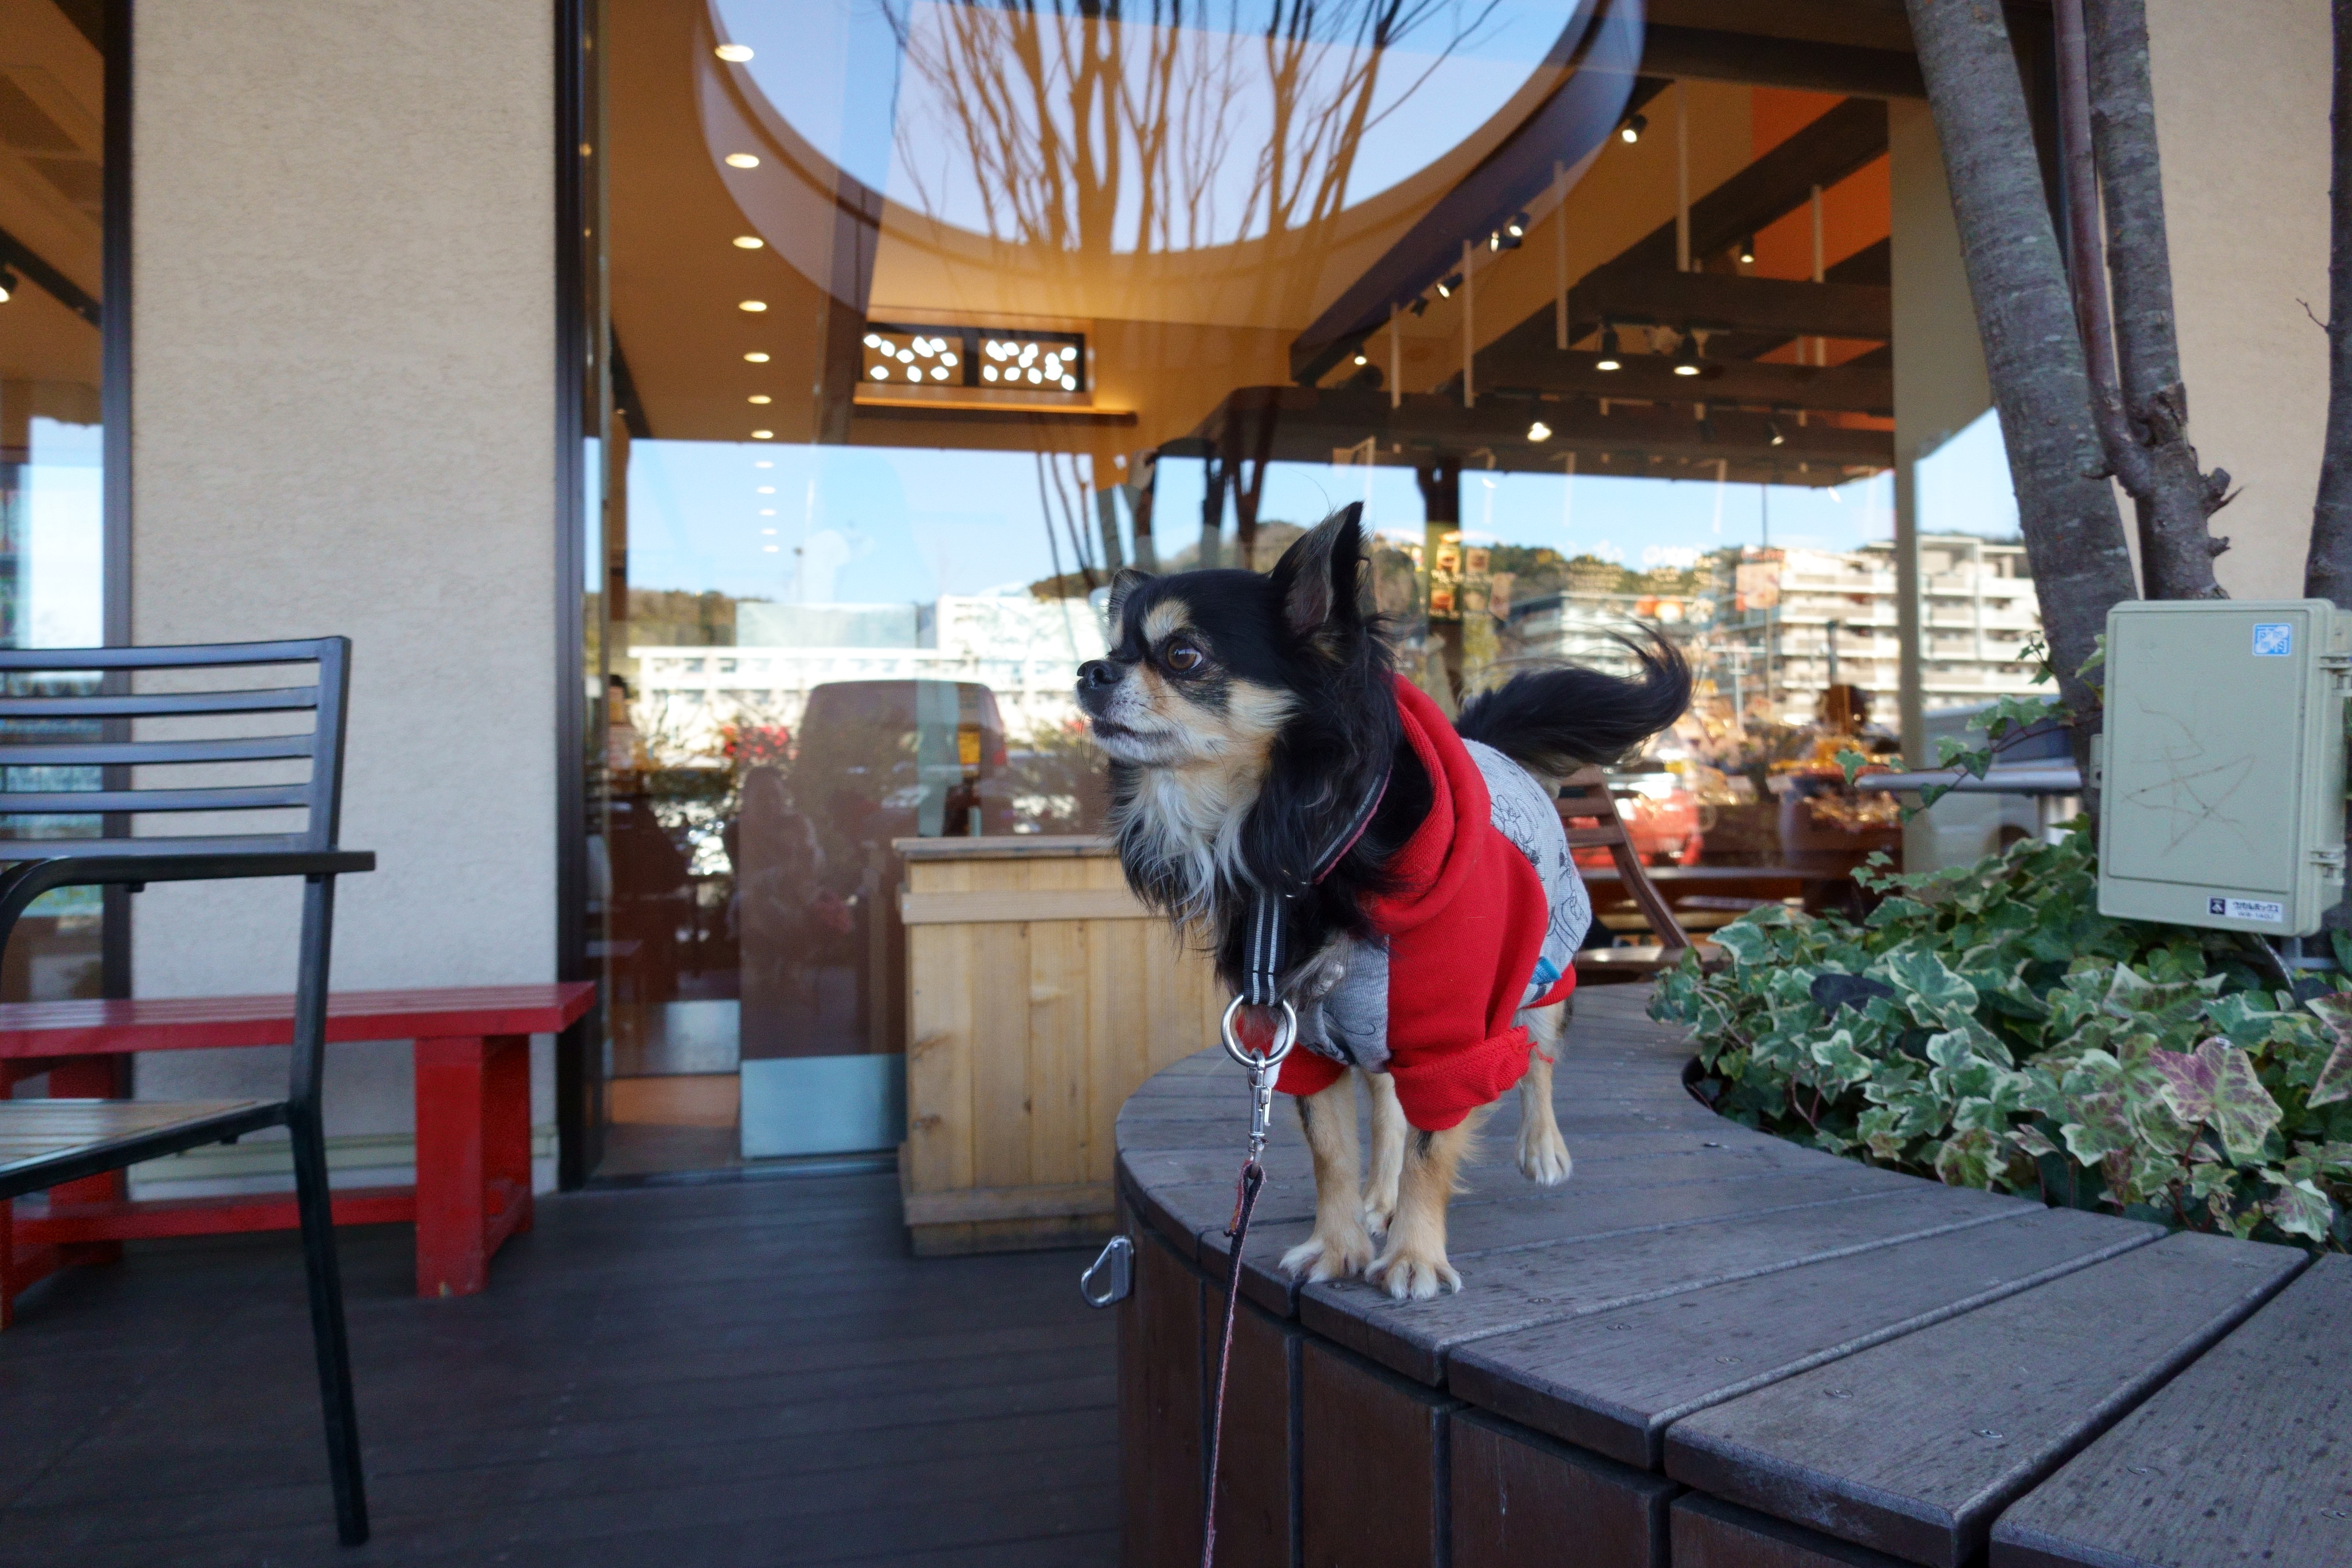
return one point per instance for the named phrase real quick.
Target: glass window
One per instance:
(53, 107)
(927, 318)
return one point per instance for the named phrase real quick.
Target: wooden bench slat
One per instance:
(2258, 1433)
(197, 1023)
(1915, 1446)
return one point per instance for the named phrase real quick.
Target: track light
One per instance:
(1518, 227)
(1748, 251)
(1630, 131)
(1361, 360)
(1446, 285)
(8, 285)
(1418, 306)
(1687, 357)
(1502, 240)
(1607, 360)
(1778, 439)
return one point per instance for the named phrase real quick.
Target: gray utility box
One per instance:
(2222, 764)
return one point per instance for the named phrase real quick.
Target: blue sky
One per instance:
(871, 525)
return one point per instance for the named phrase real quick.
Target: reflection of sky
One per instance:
(875, 525)
(829, 67)
(64, 602)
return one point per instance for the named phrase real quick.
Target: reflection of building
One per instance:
(1026, 651)
(1776, 627)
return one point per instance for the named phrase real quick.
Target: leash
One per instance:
(1261, 1065)
(1260, 976)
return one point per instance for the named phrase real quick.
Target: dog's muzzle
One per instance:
(1097, 679)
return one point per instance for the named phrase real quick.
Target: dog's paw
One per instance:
(1380, 1208)
(1543, 1156)
(1412, 1274)
(1321, 1257)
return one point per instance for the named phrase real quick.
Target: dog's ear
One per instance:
(1125, 581)
(1316, 577)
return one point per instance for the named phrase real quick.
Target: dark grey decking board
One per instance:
(2242, 1461)
(1506, 1291)
(1913, 1448)
(1614, 1382)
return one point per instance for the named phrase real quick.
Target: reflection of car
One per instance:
(879, 759)
(1663, 819)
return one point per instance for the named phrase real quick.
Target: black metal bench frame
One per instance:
(120, 859)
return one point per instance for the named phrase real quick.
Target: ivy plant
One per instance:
(1987, 1026)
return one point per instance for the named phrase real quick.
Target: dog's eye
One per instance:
(1184, 658)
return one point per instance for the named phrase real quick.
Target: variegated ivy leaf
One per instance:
(1968, 1159)
(1744, 939)
(2029, 1141)
(1950, 1049)
(2187, 1085)
(1934, 991)
(1839, 1059)
(2300, 1209)
(2243, 1111)
(2336, 1011)
(2334, 1080)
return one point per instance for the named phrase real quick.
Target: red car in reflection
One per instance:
(1661, 816)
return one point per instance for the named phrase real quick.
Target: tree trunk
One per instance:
(2150, 452)
(2328, 570)
(2033, 354)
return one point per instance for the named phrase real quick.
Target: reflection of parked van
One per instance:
(1962, 829)
(879, 759)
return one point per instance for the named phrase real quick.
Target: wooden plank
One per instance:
(205, 1023)
(975, 1203)
(1059, 1058)
(2244, 1460)
(1258, 1517)
(1066, 904)
(1373, 1489)
(1710, 1533)
(1614, 1382)
(939, 1059)
(999, 987)
(1542, 1282)
(1160, 1362)
(1913, 1448)
(1520, 1500)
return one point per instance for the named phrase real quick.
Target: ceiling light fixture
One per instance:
(755, 357)
(1778, 439)
(1748, 251)
(1418, 306)
(8, 285)
(1518, 227)
(1687, 357)
(1446, 285)
(748, 242)
(764, 434)
(733, 54)
(755, 305)
(1630, 131)
(1608, 351)
(764, 464)
(762, 397)
(1538, 431)
(766, 489)
(742, 161)
(1361, 360)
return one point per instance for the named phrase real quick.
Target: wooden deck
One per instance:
(1715, 1349)
(751, 1372)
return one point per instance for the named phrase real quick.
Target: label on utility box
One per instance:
(2247, 909)
(2274, 639)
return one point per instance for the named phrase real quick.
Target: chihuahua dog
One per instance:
(1270, 772)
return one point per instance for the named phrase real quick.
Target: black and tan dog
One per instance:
(1263, 749)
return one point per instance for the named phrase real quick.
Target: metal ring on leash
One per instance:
(1285, 1035)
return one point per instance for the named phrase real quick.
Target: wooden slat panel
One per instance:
(1915, 1446)
(1708, 1533)
(1520, 1501)
(1372, 1488)
(1159, 1438)
(1062, 904)
(1257, 1502)
(1000, 1056)
(1057, 1067)
(2257, 1433)
(939, 1058)
(197, 1023)
(977, 1203)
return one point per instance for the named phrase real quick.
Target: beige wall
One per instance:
(2241, 93)
(344, 422)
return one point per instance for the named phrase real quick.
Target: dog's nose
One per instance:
(1097, 674)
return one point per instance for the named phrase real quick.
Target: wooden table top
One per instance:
(197, 1023)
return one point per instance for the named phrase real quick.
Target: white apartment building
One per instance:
(1026, 651)
(1773, 628)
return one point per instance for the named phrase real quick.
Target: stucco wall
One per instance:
(344, 347)
(2241, 93)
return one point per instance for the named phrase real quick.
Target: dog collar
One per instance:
(1266, 941)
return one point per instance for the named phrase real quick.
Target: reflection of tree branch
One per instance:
(1107, 126)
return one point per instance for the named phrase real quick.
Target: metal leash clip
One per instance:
(1261, 1068)
(1114, 1268)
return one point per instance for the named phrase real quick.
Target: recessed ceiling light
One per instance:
(748, 242)
(1538, 431)
(767, 511)
(742, 161)
(763, 463)
(764, 434)
(756, 358)
(762, 397)
(1361, 360)
(769, 531)
(767, 489)
(770, 549)
(755, 305)
(733, 54)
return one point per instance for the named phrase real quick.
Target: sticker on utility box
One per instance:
(2247, 909)
(2274, 639)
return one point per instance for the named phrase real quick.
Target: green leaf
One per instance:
(2301, 1208)
(1745, 940)
(1935, 991)
(1852, 761)
(2334, 1080)
(1968, 1159)
(2187, 1085)
(2243, 1111)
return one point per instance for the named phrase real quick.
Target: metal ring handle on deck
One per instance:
(1285, 1035)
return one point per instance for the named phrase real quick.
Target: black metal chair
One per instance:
(53, 714)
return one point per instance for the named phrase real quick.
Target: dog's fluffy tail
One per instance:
(1553, 721)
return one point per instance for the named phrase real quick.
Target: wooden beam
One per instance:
(1746, 59)
(1776, 185)
(1721, 301)
(1858, 23)
(1542, 368)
